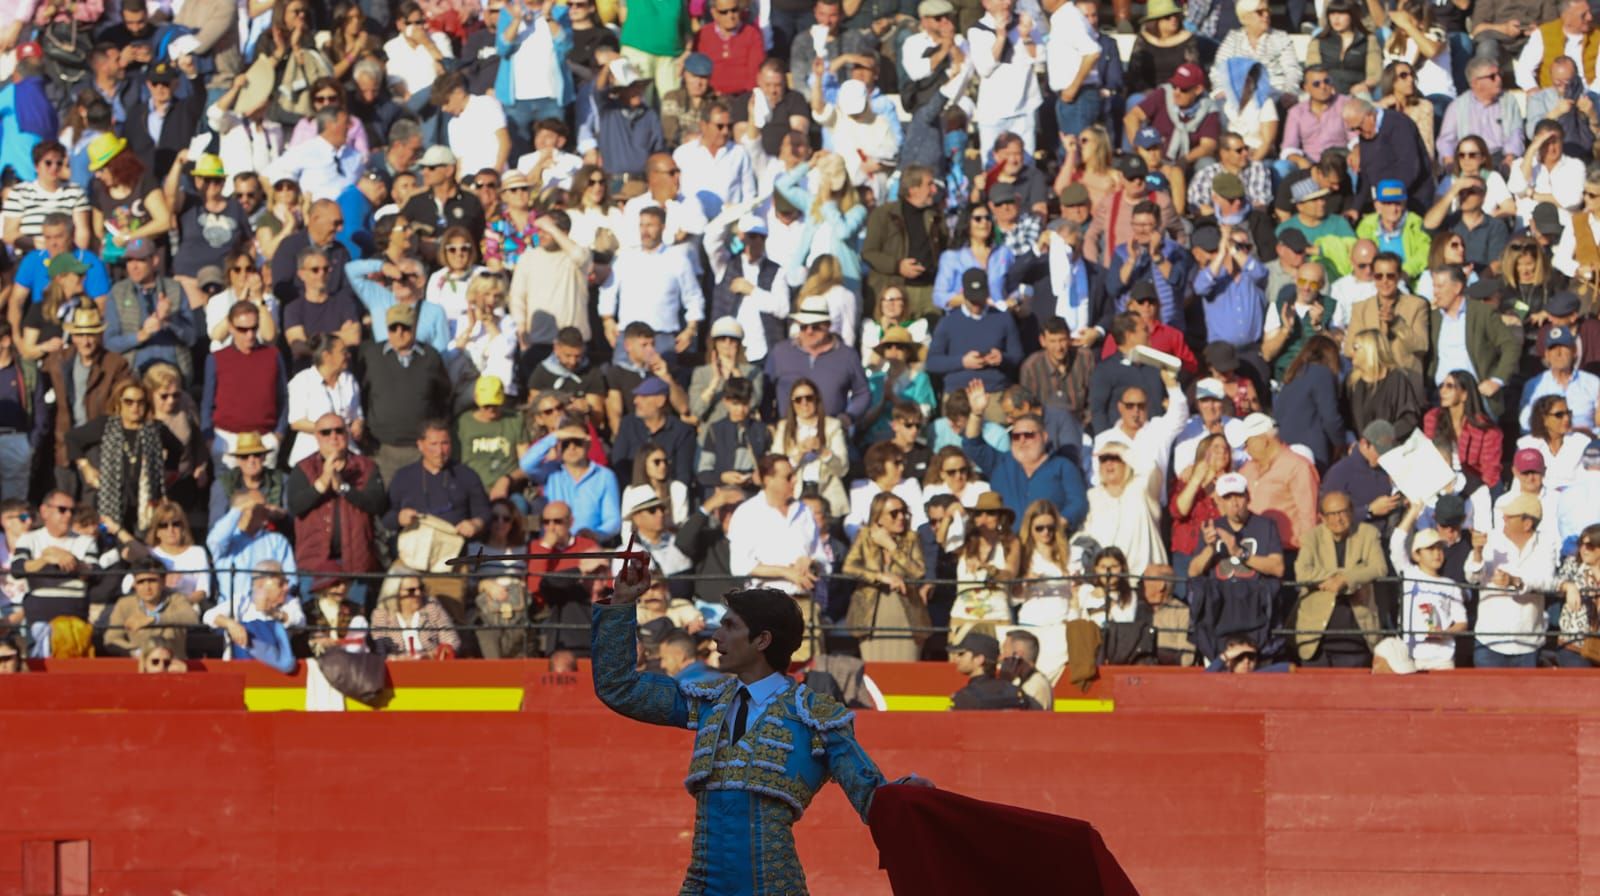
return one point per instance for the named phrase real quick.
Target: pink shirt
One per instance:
(1309, 133)
(1285, 491)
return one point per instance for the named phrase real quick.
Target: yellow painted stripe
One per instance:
(405, 700)
(931, 703)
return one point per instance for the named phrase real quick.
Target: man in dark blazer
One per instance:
(177, 119)
(1391, 149)
(1033, 270)
(1492, 347)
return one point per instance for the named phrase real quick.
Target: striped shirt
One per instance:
(30, 203)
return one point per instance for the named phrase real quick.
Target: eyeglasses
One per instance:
(1130, 405)
(1024, 434)
(331, 431)
(1590, 545)
(597, 180)
(1386, 275)
(730, 11)
(719, 125)
(1338, 511)
(240, 328)
(962, 470)
(1559, 415)
(453, 250)
(803, 399)
(1473, 154)
(898, 513)
(398, 326)
(1448, 384)
(326, 98)
(416, 21)
(1320, 82)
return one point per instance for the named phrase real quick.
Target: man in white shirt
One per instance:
(1516, 568)
(323, 165)
(653, 283)
(415, 56)
(537, 86)
(1004, 51)
(773, 538)
(714, 169)
(747, 284)
(477, 131)
(1149, 441)
(927, 49)
(684, 215)
(1071, 55)
(1355, 287)
(1576, 23)
(550, 165)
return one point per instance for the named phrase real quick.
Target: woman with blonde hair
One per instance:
(1528, 281)
(894, 310)
(1044, 593)
(815, 444)
(1379, 389)
(171, 541)
(951, 472)
(174, 409)
(825, 278)
(834, 216)
(412, 625)
(458, 265)
(485, 339)
(42, 331)
(885, 559)
(1087, 162)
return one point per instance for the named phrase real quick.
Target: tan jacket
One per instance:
(865, 563)
(1363, 562)
(168, 630)
(1408, 335)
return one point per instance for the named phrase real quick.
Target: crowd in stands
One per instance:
(1220, 335)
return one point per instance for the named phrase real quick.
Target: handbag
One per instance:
(427, 545)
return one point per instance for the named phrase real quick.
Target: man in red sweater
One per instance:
(734, 47)
(254, 381)
(1143, 302)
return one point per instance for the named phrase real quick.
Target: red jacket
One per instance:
(1163, 339)
(734, 60)
(313, 527)
(537, 569)
(1479, 450)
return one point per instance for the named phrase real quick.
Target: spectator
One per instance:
(1161, 46)
(729, 446)
(977, 656)
(1116, 373)
(437, 486)
(1193, 500)
(53, 563)
(1148, 442)
(23, 416)
(588, 489)
(1255, 39)
(1345, 52)
(326, 387)
(381, 285)
(1151, 266)
(171, 544)
(124, 458)
(1361, 479)
(1281, 481)
(773, 538)
(1552, 435)
(1433, 608)
(825, 279)
(325, 165)
(249, 473)
(40, 269)
(833, 215)
(652, 474)
(442, 204)
(314, 310)
(987, 562)
(1019, 665)
(150, 617)
(900, 377)
(550, 581)
(336, 497)
(653, 284)
(976, 342)
(885, 466)
(241, 545)
(1238, 542)
(817, 354)
(904, 242)
(1534, 63)
(254, 378)
(1184, 116)
(1342, 558)
(1029, 472)
(749, 286)
(725, 363)
(1378, 389)
(1399, 317)
(1488, 111)
(334, 619)
(1473, 341)
(1169, 618)
(403, 383)
(84, 378)
(259, 630)
(560, 267)
(30, 203)
(458, 266)
(413, 625)
(1396, 140)
(1211, 418)
(1124, 619)
(1578, 578)
(1519, 567)
(242, 283)
(1124, 508)
(1578, 389)
(644, 518)
(1461, 423)
(814, 444)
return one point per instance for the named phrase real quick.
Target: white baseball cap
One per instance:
(1232, 484)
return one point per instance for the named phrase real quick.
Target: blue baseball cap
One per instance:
(1389, 191)
(650, 385)
(1147, 138)
(1559, 336)
(698, 64)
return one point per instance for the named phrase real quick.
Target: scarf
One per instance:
(1069, 280)
(1178, 147)
(114, 457)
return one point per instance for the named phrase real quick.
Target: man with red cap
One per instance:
(1182, 113)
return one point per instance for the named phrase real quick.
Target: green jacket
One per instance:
(1414, 241)
(1493, 347)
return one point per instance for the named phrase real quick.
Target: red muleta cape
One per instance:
(926, 843)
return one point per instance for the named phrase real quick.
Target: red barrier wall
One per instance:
(1472, 782)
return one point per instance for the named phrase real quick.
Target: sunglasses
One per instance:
(1474, 154)
(491, 185)
(502, 517)
(656, 509)
(1386, 275)
(396, 327)
(331, 431)
(315, 269)
(1314, 284)
(134, 402)
(1403, 76)
(62, 508)
(570, 443)
(1320, 82)
(958, 471)
(1559, 415)
(980, 219)
(1041, 529)
(453, 250)
(899, 513)
(1130, 405)
(1024, 434)
(170, 524)
(803, 399)
(326, 98)
(249, 194)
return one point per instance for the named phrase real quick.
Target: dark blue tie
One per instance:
(742, 715)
